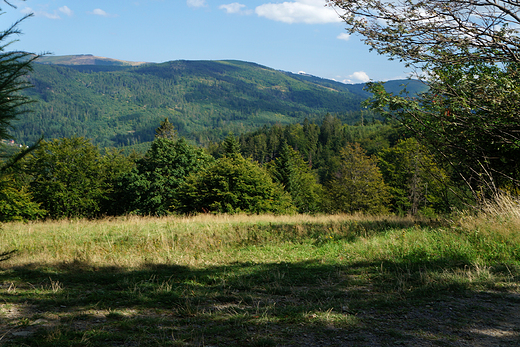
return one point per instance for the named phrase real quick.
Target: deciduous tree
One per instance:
(234, 184)
(68, 178)
(436, 32)
(469, 54)
(358, 185)
(470, 119)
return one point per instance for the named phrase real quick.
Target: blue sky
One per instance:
(291, 35)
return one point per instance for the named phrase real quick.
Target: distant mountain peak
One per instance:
(84, 59)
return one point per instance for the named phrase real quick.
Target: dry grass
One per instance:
(202, 240)
(131, 241)
(498, 219)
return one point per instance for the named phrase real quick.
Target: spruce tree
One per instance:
(15, 201)
(295, 175)
(166, 130)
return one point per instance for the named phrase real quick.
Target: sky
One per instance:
(291, 35)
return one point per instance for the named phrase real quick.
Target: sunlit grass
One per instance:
(266, 279)
(132, 241)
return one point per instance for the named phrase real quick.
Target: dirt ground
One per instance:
(482, 319)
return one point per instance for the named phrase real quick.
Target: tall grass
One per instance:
(247, 277)
(494, 229)
(133, 241)
(488, 237)
(500, 215)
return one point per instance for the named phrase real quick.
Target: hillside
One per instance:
(84, 59)
(117, 104)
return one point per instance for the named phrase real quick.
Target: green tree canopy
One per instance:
(438, 32)
(231, 146)
(151, 188)
(416, 182)
(68, 178)
(16, 202)
(470, 119)
(358, 186)
(233, 185)
(295, 175)
(115, 166)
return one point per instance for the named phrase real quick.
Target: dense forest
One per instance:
(189, 137)
(326, 167)
(219, 137)
(119, 105)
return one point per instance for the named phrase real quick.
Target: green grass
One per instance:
(260, 281)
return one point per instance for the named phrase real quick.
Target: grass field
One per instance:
(264, 281)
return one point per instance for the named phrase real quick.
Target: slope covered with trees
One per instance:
(119, 105)
(204, 100)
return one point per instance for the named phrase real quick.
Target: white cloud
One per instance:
(360, 76)
(27, 10)
(343, 36)
(49, 15)
(66, 10)
(357, 77)
(196, 3)
(235, 8)
(99, 12)
(299, 11)
(45, 14)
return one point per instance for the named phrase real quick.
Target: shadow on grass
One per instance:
(247, 304)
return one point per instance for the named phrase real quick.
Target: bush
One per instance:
(234, 184)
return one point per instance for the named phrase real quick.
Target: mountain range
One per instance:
(119, 103)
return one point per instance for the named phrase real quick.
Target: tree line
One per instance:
(301, 168)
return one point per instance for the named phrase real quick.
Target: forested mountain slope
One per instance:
(117, 104)
(84, 59)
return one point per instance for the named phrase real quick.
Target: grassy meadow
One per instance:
(262, 280)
